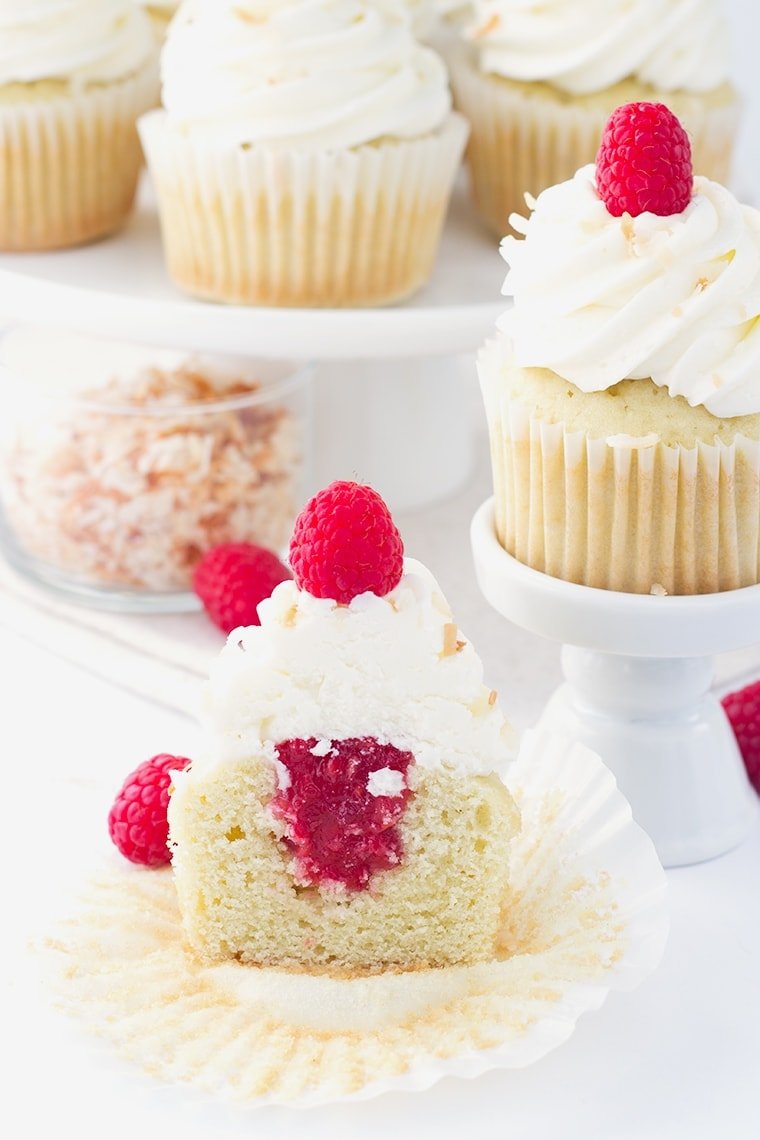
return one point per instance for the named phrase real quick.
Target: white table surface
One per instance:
(679, 1058)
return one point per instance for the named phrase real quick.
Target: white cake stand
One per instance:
(397, 400)
(638, 672)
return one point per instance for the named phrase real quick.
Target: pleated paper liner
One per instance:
(634, 515)
(264, 226)
(585, 915)
(70, 161)
(525, 137)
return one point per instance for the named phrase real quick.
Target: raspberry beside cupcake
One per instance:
(623, 394)
(305, 155)
(539, 79)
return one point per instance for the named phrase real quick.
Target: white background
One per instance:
(680, 1058)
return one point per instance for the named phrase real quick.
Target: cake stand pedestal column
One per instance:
(638, 673)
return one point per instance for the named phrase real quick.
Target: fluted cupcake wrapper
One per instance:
(523, 140)
(272, 227)
(633, 515)
(69, 164)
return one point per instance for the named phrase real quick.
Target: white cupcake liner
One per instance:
(264, 226)
(586, 915)
(69, 164)
(633, 515)
(523, 139)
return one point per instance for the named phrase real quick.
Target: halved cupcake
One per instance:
(348, 813)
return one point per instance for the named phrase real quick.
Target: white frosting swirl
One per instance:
(395, 668)
(80, 40)
(321, 74)
(599, 299)
(582, 46)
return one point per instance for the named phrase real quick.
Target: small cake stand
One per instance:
(638, 671)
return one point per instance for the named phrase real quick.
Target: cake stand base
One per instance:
(638, 675)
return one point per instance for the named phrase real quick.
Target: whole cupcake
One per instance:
(539, 78)
(305, 155)
(623, 392)
(75, 75)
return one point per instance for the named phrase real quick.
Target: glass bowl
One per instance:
(121, 465)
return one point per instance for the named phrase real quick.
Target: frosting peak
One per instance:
(395, 668)
(86, 41)
(600, 299)
(582, 46)
(321, 74)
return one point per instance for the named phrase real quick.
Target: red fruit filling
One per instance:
(337, 829)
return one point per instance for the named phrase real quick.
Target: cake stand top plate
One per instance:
(632, 625)
(119, 288)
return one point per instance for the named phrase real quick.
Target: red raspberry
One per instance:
(232, 579)
(137, 821)
(644, 162)
(345, 543)
(743, 710)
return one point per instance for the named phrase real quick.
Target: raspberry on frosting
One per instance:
(345, 543)
(644, 163)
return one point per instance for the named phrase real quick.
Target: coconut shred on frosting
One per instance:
(583, 46)
(394, 668)
(85, 41)
(317, 74)
(600, 299)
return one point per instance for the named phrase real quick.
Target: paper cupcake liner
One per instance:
(69, 164)
(585, 915)
(523, 140)
(267, 227)
(633, 515)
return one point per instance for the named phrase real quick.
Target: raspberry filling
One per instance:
(338, 830)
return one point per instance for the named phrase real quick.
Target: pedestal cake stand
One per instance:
(638, 672)
(396, 395)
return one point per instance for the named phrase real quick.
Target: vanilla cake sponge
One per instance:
(348, 814)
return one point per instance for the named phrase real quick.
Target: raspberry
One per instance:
(137, 821)
(644, 162)
(345, 543)
(743, 710)
(338, 830)
(232, 579)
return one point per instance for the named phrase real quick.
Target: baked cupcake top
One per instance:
(583, 46)
(82, 41)
(388, 661)
(316, 74)
(606, 290)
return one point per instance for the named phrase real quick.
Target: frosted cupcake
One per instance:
(305, 155)
(540, 77)
(74, 77)
(623, 392)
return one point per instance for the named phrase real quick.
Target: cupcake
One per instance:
(348, 814)
(623, 390)
(305, 153)
(75, 75)
(160, 13)
(539, 79)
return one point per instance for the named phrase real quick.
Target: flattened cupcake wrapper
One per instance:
(523, 141)
(585, 914)
(69, 164)
(630, 515)
(268, 227)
